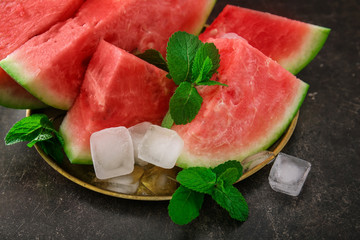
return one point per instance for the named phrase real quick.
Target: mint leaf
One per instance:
(184, 205)
(212, 83)
(52, 147)
(199, 179)
(37, 128)
(207, 50)
(43, 135)
(185, 103)
(167, 121)
(233, 201)
(230, 176)
(154, 57)
(204, 71)
(181, 50)
(220, 169)
(26, 129)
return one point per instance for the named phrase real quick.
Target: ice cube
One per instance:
(159, 181)
(137, 133)
(127, 184)
(161, 147)
(112, 152)
(288, 174)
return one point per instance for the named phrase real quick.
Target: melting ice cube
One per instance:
(112, 152)
(161, 147)
(159, 181)
(127, 184)
(137, 133)
(288, 174)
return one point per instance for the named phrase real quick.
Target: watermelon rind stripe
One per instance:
(74, 152)
(311, 47)
(12, 67)
(187, 160)
(206, 15)
(8, 101)
(19, 72)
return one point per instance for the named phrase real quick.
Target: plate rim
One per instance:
(284, 140)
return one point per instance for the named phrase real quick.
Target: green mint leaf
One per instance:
(154, 57)
(204, 71)
(230, 176)
(181, 50)
(167, 121)
(184, 205)
(212, 83)
(48, 125)
(199, 179)
(53, 148)
(233, 201)
(37, 128)
(43, 135)
(26, 129)
(201, 69)
(220, 169)
(185, 103)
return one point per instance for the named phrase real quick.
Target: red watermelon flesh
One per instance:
(119, 89)
(247, 116)
(21, 20)
(293, 44)
(51, 66)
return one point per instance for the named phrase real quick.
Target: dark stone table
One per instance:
(36, 202)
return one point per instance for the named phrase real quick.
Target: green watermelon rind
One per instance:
(18, 71)
(186, 162)
(316, 40)
(78, 158)
(7, 100)
(205, 17)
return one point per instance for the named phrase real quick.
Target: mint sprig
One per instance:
(185, 205)
(190, 63)
(180, 53)
(200, 179)
(154, 57)
(217, 182)
(37, 128)
(185, 103)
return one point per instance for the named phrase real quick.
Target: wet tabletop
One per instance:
(36, 202)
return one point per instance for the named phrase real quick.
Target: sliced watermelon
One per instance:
(246, 117)
(51, 66)
(20, 21)
(291, 43)
(119, 89)
(13, 95)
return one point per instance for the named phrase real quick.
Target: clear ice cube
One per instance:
(137, 133)
(112, 152)
(288, 174)
(161, 147)
(127, 184)
(159, 181)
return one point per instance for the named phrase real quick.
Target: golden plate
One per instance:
(84, 174)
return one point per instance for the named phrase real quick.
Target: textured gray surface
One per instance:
(38, 203)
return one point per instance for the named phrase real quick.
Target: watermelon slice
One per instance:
(52, 65)
(21, 20)
(246, 117)
(291, 43)
(119, 89)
